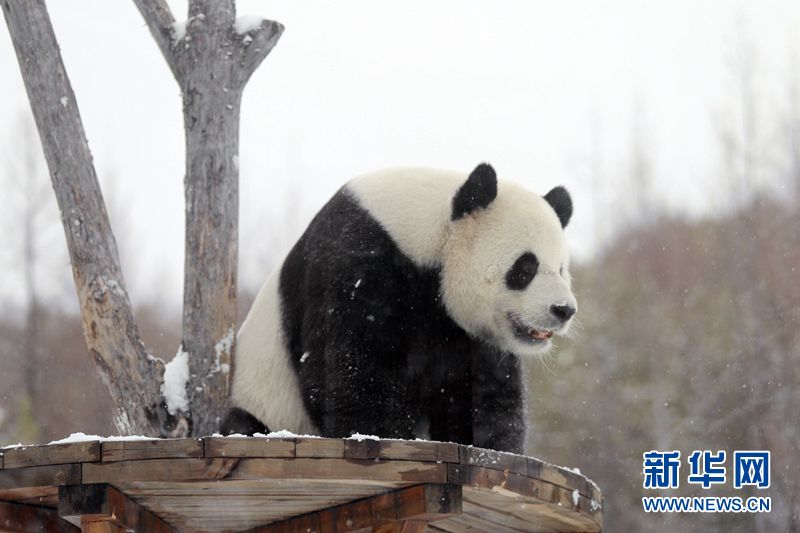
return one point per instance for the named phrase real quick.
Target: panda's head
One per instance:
(505, 270)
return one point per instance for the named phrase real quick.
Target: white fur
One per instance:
(480, 250)
(414, 206)
(264, 382)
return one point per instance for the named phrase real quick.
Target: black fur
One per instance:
(559, 198)
(384, 358)
(478, 191)
(240, 421)
(522, 272)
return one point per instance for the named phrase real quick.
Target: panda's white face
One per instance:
(505, 272)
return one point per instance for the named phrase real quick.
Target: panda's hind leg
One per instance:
(241, 422)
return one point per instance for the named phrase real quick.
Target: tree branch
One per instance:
(211, 63)
(133, 377)
(159, 20)
(256, 45)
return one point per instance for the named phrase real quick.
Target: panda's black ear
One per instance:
(477, 192)
(559, 198)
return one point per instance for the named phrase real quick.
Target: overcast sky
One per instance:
(539, 89)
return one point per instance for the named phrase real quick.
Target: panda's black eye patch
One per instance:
(522, 272)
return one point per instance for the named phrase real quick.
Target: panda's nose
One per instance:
(562, 312)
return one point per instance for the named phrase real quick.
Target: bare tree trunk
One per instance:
(133, 378)
(211, 63)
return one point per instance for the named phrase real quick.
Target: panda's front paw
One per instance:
(241, 422)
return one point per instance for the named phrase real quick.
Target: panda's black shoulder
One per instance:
(345, 260)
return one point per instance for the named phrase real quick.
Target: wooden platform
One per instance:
(281, 485)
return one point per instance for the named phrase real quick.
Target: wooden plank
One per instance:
(103, 503)
(127, 450)
(41, 496)
(408, 509)
(354, 516)
(453, 525)
(428, 502)
(457, 473)
(320, 448)
(384, 508)
(18, 517)
(471, 523)
(413, 526)
(487, 512)
(247, 447)
(419, 450)
(158, 470)
(559, 476)
(40, 476)
(362, 449)
(52, 454)
(513, 486)
(252, 468)
(353, 469)
(235, 505)
(495, 460)
(403, 526)
(101, 526)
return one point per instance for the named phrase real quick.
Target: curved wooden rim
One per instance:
(569, 494)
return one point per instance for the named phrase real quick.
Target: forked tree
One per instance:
(212, 55)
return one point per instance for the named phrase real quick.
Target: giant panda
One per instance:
(404, 309)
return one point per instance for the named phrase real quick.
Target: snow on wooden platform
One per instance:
(219, 484)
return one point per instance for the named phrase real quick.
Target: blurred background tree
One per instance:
(689, 333)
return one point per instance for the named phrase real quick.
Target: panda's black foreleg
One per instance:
(365, 393)
(240, 421)
(498, 400)
(450, 395)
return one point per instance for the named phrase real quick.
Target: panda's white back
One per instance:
(264, 382)
(413, 205)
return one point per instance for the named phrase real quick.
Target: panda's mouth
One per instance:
(527, 333)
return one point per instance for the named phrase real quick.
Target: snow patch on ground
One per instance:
(83, 437)
(176, 375)
(247, 23)
(64, 101)
(285, 434)
(359, 437)
(281, 434)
